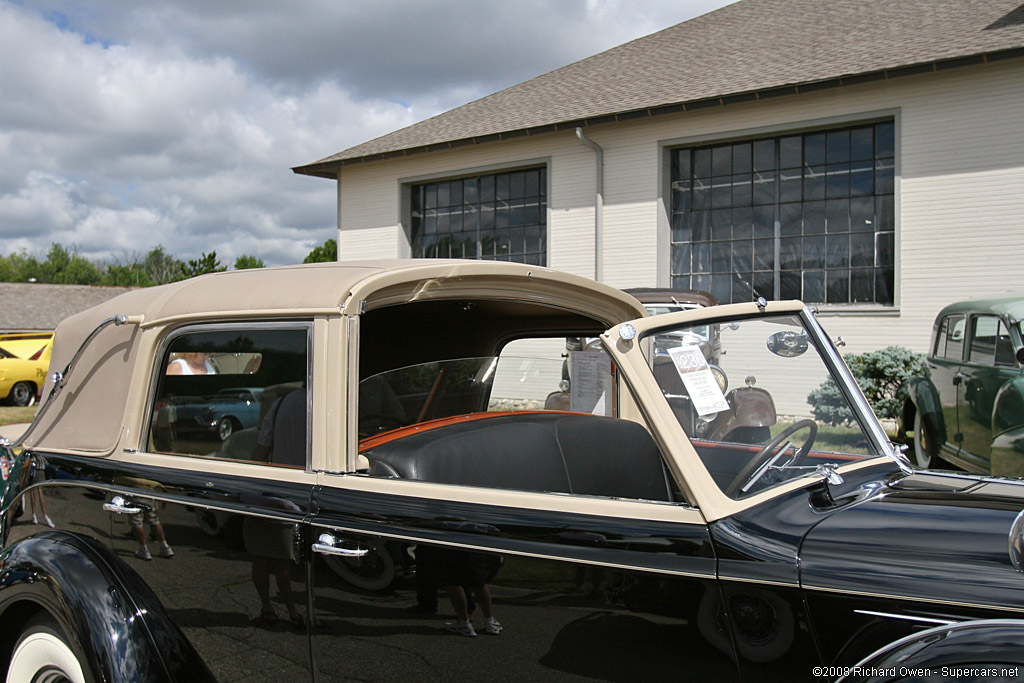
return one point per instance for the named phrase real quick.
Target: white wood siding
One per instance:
(959, 192)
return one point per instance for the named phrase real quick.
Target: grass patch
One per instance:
(830, 439)
(10, 415)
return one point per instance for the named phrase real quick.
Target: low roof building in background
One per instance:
(31, 307)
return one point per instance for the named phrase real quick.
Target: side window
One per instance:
(986, 333)
(539, 416)
(955, 325)
(234, 392)
(1004, 347)
(940, 339)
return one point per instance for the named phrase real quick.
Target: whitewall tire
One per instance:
(42, 655)
(921, 443)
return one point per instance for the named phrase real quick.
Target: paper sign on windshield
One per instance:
(693, 369)
(591, 380)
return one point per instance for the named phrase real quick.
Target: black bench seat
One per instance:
(554, 452)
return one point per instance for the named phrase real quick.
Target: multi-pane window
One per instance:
(804, 216)
(495, 217)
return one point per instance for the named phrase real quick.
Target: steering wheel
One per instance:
(758, 465)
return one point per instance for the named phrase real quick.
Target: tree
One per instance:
(207, 263)
(126, 275)
(8, 271)
(161, 267)
(328, 251)
(245, 262)
(64, 267)
(27, 267)
(19, 267)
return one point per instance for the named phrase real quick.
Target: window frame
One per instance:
(158, 368)
(407, 186)
(991, 361)
(946, 326)
(802, 127)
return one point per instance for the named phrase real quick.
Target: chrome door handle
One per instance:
(121, 506)
(325, 545)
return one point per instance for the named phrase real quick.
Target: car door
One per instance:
(576, 593)
(563, 527)
(988, 365)
(213, 526)
(944, 366)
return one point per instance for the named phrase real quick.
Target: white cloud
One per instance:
(125, 125)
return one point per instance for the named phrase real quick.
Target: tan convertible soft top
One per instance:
(88, 413)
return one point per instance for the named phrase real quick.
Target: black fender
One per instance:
(983, 646)
(114, 622)
(1008, 453)
(1008, 407)
(923, 398)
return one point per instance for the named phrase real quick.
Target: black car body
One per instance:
(390, 480)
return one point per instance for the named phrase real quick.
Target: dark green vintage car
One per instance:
(969, 410)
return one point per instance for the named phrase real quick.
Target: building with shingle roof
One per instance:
(862, 155)
(31, 307)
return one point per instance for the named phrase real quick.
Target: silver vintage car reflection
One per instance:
(404, 503)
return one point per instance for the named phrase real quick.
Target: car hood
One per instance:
(935, 537)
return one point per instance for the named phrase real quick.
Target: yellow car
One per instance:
(24, 359)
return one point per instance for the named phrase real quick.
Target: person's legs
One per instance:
(135, 521)
(261, 580)
(284, 588)
(461, 625)
(483, 596)
(459, 602)
(158, 531)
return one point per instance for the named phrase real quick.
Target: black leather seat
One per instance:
(579, 454)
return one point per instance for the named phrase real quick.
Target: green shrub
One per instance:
(882, 376)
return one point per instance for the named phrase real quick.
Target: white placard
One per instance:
(591, 375)
(702, 386)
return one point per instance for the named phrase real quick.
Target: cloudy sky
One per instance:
(124, 125)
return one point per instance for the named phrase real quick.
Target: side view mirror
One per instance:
(787, 344)
(1020, 356)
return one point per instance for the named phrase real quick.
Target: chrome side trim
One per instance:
(906, 617)
(519, 553)
(760, 582)
(908, 598)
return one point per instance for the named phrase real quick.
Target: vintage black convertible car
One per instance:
(405, 508)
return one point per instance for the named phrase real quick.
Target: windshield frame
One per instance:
(693, 477)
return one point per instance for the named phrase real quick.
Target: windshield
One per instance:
(760, 407)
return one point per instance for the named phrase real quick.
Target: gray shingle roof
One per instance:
(752, 49)
(36, 306)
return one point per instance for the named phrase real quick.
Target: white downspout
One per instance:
(598, 202)
(338, 238)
